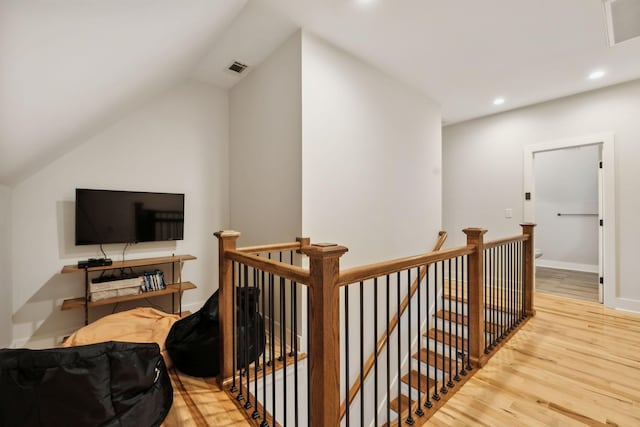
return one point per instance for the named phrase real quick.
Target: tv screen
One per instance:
(106, 216)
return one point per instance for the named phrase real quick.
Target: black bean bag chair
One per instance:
(106, 384)
(193, 343)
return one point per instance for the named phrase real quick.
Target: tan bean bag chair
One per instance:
(139, 325)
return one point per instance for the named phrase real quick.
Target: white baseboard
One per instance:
(548, 263)
(626, 304)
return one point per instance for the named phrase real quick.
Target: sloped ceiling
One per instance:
(70, 67)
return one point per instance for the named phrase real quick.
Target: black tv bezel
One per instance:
(124, 192)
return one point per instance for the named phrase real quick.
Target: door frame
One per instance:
(607, 242)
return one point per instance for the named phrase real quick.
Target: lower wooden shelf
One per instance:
(75, 303)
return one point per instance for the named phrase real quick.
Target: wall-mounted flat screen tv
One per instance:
(107, 216)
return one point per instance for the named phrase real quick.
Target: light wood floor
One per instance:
(567, 283)
(574, 364)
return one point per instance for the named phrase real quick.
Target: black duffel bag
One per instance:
(111, 384)
(193, 343)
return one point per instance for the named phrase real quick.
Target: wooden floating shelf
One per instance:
(131, 263)
(74, 303)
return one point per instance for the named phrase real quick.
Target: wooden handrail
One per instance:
(287, 271)
(393, 323)
(277, 247)
(360, 274)
(499, 242)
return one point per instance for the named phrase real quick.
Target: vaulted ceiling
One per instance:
(68, 68)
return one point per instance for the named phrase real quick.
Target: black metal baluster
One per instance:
(463, 370)
(488, 307)
(521, 281)
(245, 361)
(409, 420)
(494, 281)
(458, 313)
(292, 319)
(435, 396)
(234, 387)
(512, 323)
(256, 362)
(427, 403)
(346, 354)
(443, 389)
(399, 353)
(241, 342)
(499, 290)
(468, 367)
(419, 412)
(487, 342)
(504, 292)
(308, 365)
(294, 345)
(375, 349)
(361, 352)
(264, 422)
(503, 289)
(450, 383)
(388, 355)
(272, 344)
(283, 346)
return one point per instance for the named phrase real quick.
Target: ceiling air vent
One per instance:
(623, 20)
(237, 67)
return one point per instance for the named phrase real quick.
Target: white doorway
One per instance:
(597, 209)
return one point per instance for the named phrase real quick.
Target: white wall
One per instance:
(371, 155)
(483, 171)
(176, 143)
(5, 266)
(371, 158)
(265, 150)
(566, 182)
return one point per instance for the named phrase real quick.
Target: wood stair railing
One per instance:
(382, 341)
(324, 281)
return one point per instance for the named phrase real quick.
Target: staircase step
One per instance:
(400, 402)
(414, 381)
(453, 317)
(464, 320)
(438, 361)
(450, 340)
(492, 303)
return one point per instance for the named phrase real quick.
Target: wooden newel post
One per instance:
(475, 237)
(324, 333)
(529, 268)
(226, 241)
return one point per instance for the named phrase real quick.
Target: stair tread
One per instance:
(492, 305)
(458, 342)
(458, 318)
(438, 361)
(414, 380)
(453, 317)
(400, 403)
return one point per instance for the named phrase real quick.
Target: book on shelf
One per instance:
(153, 281)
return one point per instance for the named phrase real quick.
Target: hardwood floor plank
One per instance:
(567, 283)
(575, 363)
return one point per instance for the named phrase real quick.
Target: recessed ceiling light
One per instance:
(365, 2)
(498, 101)
(596, 74)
